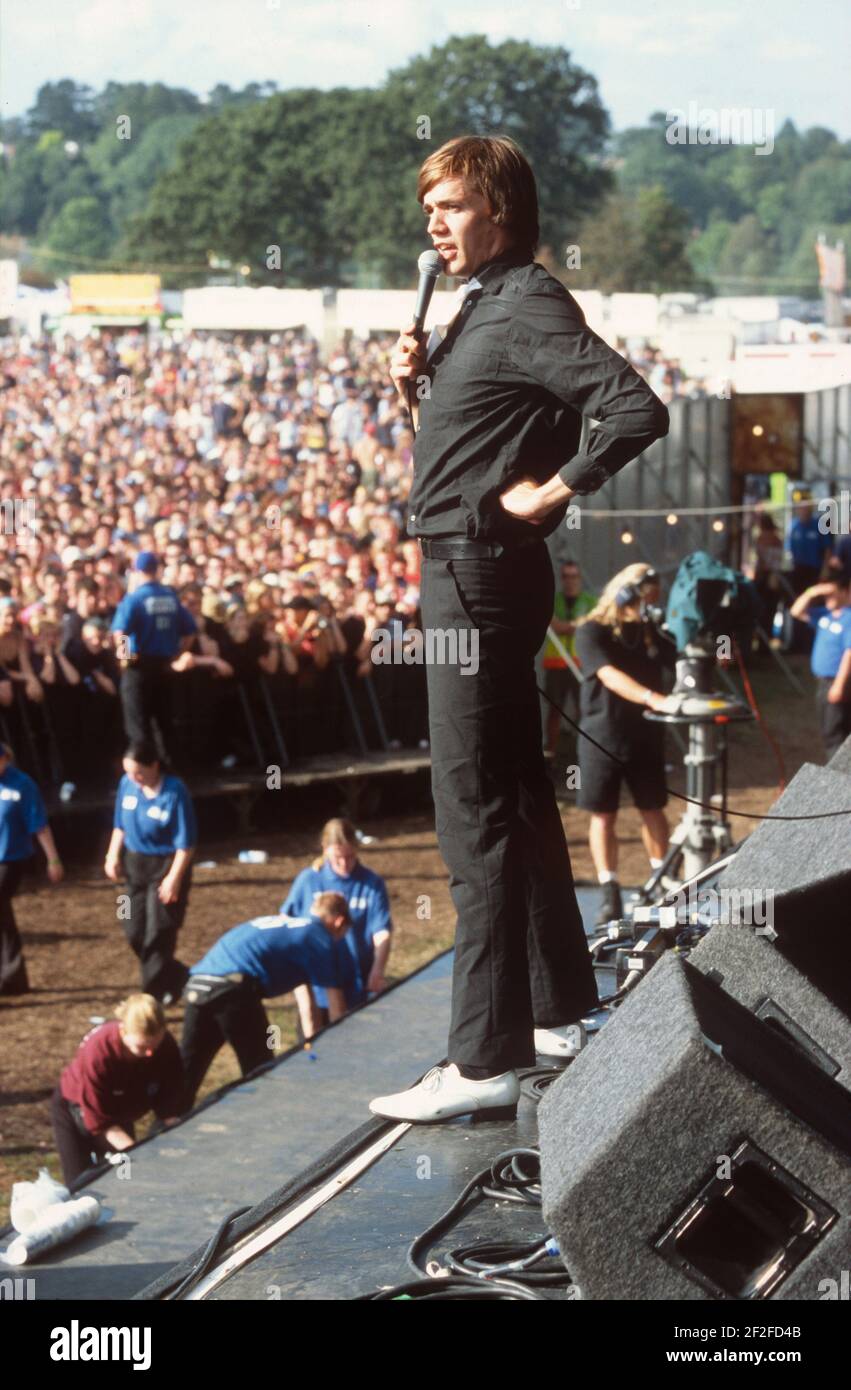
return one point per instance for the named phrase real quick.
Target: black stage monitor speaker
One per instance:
(750, 968)
(807, 866)
(692, 1152)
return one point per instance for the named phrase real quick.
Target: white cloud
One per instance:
(788, 50)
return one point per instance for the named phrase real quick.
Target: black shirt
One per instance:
(638, 651)
(508, 387)
(245, 656)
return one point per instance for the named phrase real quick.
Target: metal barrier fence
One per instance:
(75, 735)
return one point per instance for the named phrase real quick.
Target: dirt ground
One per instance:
(80, 966)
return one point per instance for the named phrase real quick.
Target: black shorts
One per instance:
(600, 777)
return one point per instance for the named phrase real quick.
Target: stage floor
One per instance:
(262, 1133)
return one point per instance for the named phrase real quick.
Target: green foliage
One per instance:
(635, 243)
(329, 177)
(754, 217)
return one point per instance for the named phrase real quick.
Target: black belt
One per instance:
(459, 547)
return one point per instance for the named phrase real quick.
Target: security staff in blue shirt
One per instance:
(22, 816)
(154, 832)
(831, 655)
(369, 936)
(151, 627)
(258, 960)
(808, 545)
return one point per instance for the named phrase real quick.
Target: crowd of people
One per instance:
(270, 484)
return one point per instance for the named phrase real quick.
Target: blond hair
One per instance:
(337, 831)
(606, 610)
(141, 1014)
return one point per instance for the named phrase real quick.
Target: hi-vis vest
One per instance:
(582, 604)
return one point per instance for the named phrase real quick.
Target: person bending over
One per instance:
(259, 960)
(123, 1068)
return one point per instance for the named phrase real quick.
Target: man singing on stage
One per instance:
(495, 464)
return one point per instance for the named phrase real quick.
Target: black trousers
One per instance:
(13, 971)
(146, 694)
(521, 958)
(835, 720)
(152, 926)
(237, 1017)
(77, 1148)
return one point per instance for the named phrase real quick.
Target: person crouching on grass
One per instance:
(259, 960)
(123, 1069)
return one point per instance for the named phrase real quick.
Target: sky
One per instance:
(785, 56)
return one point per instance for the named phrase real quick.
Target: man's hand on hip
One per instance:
(533, 501)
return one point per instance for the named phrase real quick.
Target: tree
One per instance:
(81, 229)
(64, 106)
(536, 95)
(635, 245)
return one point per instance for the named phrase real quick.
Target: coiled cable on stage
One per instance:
(506, 1268)
(515, 1177)
(511, 1259)
(452, 1287)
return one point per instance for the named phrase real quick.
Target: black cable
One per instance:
(535, 1082)
(209, 1254)
(454, 1287)
(680, 796)
(479, 1273)
(514, 1175)
(488, 1258)
(510, 1183)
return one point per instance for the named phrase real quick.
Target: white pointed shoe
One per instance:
(560, 1042)
(444, 1093)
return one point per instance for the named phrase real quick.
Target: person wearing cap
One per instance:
(151, 626)
(153, 837)
(22, 816)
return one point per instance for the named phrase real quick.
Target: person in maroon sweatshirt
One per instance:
(123, 1069)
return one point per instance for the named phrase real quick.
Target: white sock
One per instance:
(654, 863)
(607, 876)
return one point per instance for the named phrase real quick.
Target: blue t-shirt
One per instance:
(154, 619)
(281, 952)
(157, 824)
(369, 913)
(22, 813)
(807, 543)
(833, 637)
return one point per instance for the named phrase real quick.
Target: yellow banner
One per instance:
(115, 294)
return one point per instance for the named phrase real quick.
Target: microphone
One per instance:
(430, 266)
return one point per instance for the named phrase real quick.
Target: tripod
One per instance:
(702, 834)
